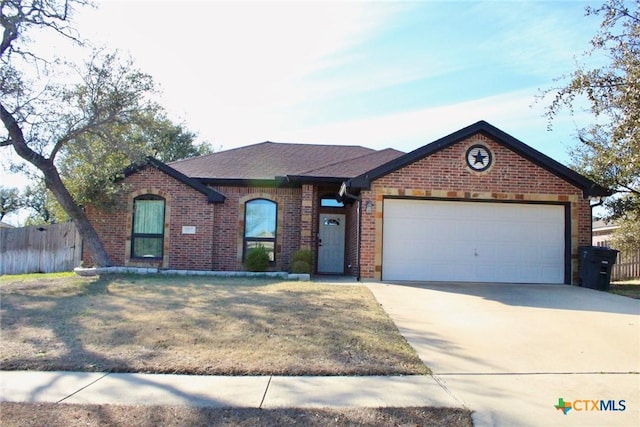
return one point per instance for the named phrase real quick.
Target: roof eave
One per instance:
(362, 182)
(305, 179)
(213, 196)
(596, 191)
(247, 182)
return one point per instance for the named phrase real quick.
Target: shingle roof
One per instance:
(353, 167)
(270, 160)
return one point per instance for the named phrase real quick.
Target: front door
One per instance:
(331, 243)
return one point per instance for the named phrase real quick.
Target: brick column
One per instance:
(306, 217)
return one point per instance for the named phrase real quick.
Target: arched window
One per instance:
(147, 236)
(260, 222)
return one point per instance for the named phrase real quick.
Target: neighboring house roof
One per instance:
(588, 187)
(213, 196)
(277, 161)
(602, 232)
(5, 225)
(601, 225)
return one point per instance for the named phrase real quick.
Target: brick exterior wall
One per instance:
(309, 218)
(218, 241)
(184, 206)
(229, 226)
(445, 175)
(351, 250)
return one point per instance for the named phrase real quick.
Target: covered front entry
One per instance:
(440, 240)
(331, 242)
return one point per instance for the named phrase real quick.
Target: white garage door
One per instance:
(473, 241)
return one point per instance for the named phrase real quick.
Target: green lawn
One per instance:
(628, 288)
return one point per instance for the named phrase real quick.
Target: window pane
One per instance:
(149, 217)
(147, 247)
(260, 219)
(269, 246)
(331, 203)
(331, 221)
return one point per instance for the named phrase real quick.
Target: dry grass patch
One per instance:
(198, 325)
(51, 414)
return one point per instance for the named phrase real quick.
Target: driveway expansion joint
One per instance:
(266, 390)
(447, 390)
(83, 388)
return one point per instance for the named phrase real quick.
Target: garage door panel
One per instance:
(467, 241)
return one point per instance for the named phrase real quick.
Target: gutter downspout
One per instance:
(600, 203)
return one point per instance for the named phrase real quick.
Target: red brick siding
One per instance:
(446, 170)
(184, 207)
(444, 174)
(215, 244)
(111, 227)
(227, 253)
(351, 266)
(309, 217)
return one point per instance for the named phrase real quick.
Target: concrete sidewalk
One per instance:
(223, 391)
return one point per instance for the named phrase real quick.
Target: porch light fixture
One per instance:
(367, 207)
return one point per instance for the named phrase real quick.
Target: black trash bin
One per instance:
(596, 263)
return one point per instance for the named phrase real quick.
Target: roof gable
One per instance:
(588, 187)
(213, 196)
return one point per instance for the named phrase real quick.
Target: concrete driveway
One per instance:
(510, 352)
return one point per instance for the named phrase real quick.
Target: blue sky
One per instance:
(377, 74)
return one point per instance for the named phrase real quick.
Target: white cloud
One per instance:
(233, 70)
(244, 72)
(540, 38)
(512, 112)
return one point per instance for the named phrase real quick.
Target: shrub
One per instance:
(300, 267)
(302, 261)
(303, 255)
(257, 259)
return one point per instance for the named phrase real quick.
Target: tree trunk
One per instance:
(56, 186)
(89, 235)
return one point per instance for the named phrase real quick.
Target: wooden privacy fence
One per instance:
(627, 266)
(40, 249)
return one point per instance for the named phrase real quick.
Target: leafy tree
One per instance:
(627, 237)
(9, 201)
(609, 149)
(150, 134)
(43, 206)
(168, 142)
(89, 111)
(77, 124)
